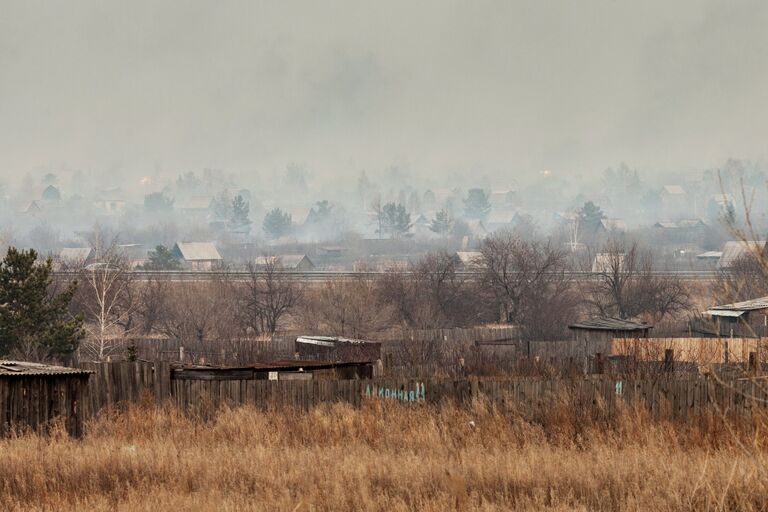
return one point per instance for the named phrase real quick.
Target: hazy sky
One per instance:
(471, 86)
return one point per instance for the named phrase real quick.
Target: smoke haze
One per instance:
(497, 88)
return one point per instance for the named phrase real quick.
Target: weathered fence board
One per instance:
(113, 383)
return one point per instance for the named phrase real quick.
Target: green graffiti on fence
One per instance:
(405, 395)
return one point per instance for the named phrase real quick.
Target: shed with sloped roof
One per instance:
(33, 395)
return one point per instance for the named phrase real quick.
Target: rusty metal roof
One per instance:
(282, 364)
(610, 324)
(25, 369)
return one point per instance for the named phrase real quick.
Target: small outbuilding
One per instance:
(32, 395)
(337, 349)
(596, 333)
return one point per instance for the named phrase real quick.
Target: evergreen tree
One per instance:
(591, 216)
(34, 322)
(395, 219)
(277, 223)
(240, 210)
(441, 224)
(221, 206)
(476, 205)
(162, 259)
(158, 202)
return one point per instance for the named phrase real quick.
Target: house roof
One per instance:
(610, 324)
(501, 217)
(604, 261)
(613, 224)
(747, 305)
(476, 227)
(721, 199)
(30, 206)
(735, 250)
(284, 260)
(299, 216)
(469, 258)
(198, 251)
(197, 203)
(690, 223)
(24, 369)
(710, 255)
(75, 254)
(675, 190)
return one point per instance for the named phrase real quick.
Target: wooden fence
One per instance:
(702, 351)
(677, 398)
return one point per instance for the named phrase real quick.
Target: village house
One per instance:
(734, 251)
(295, 262)
(198, 256)
(74, 258)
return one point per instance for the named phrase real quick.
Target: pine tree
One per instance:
(239, 220)
(395, 219)
(476, 204)
(162, 259)
(441, 224)
(34, 322)
(591, 216)
(277, 223)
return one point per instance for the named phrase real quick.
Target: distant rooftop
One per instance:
(739, 308)
(610, 324)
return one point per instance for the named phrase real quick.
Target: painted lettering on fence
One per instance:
(406, 395)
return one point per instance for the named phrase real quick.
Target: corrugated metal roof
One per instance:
(198, 251)
(24, 369)
(329, 341)
(734, 250)
(747, 305)
(726, 313)
(610, 324)
(710, 255)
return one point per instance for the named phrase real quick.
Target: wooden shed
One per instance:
(33, 394)
(596, 333)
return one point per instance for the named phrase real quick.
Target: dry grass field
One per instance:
(386, 457)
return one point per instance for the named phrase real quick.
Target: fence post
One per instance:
(669, 360)
(181, 353)
(753, 362)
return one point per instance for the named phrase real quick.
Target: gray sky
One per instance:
(505, 88)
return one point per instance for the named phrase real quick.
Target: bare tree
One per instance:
(434, 295)
(347, 308)
(626, 286)
(109, 304)
(269, 295)
(515, 269)
(198, 312)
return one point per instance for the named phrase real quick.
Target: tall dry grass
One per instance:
(386, 456)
